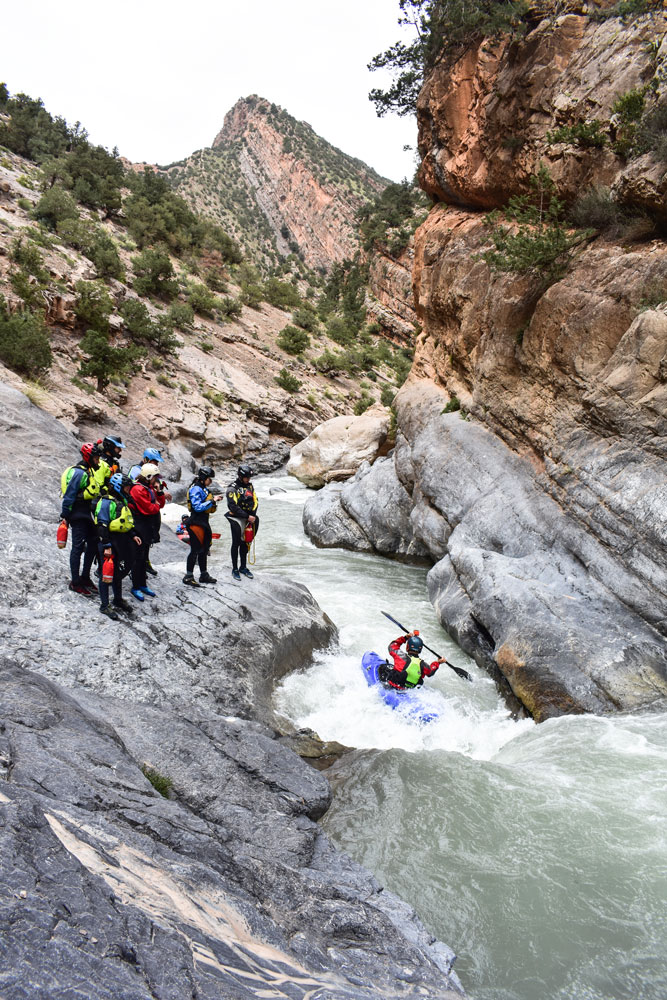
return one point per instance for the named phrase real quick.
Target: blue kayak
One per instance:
(406, 700)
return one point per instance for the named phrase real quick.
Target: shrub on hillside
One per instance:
(287, 382)
(93, 304)
(105, 361)
(55, 206)
(24, 344)
(201, 299)
(306, 319)
(293, 340)
(229, 308)
(281, 294)
(154, 274)
(181, 315)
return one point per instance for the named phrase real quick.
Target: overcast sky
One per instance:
(156, 77)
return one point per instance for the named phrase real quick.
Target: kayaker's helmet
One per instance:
(119, 482)
(244, 472)
(205, 472)
(414, 645)
(152, 455)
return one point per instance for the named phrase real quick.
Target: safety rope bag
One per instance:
(249, 539)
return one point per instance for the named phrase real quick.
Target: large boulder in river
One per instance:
(339, 446)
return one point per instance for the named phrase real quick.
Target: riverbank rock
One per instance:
(370, 513)
(224, 885)
(533, 594)
(339, 443)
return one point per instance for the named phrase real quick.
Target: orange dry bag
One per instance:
(107, 570)
(61, 535)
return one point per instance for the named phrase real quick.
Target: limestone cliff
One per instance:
(545, 508)
(277, 186)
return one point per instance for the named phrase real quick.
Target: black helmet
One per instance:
(205, 472)
(244, 472)
(415, 645)
(112, 441)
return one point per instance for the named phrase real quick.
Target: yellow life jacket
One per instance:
(118, 513)
(89, 488)
(414, 669)
(102, 476)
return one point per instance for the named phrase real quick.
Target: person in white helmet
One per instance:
(146, 502)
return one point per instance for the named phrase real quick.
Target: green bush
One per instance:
(628, 111)
(287, 382)
(363, 403)
(24, 343)
(293, 340)
(104, 361)
(340, 332)
(281, 294)
(651, 134)
(453, 405)
(387, 395)
(201, 299)
(306, 319)
(160, 782)
(136, 319)
(181, 315)
(55, 206)
(540, 245)
(587, 134)
(154, 274)
(596, 209)
(229, 308)
(252, 294)
(93, 304)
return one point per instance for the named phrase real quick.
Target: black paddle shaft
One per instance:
(458, 670)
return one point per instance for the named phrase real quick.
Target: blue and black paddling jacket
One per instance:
(200, 504)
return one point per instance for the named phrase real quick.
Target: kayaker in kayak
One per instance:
(409, 670)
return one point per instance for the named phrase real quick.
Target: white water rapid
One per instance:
(539, 853)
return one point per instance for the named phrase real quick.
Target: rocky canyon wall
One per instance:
(543, 500)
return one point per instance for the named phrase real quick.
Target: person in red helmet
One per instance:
(79, 488)
(409, 670)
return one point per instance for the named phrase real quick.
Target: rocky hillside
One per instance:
(530, 458)
(278, 187)
(224, 383)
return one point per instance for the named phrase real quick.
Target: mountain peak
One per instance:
(278, 187)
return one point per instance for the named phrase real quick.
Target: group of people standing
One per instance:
(114, 519)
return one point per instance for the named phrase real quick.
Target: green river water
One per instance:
(539, 853)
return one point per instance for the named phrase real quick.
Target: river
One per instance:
(539, 853)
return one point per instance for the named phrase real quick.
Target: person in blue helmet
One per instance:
(409, 670)
(117, 538)
(110, 452)
(150, 455)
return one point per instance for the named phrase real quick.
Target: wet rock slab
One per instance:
(226, 888)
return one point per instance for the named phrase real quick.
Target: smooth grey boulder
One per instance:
(328, 525)
(565, 601)
(371, 512)
(227, 888)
